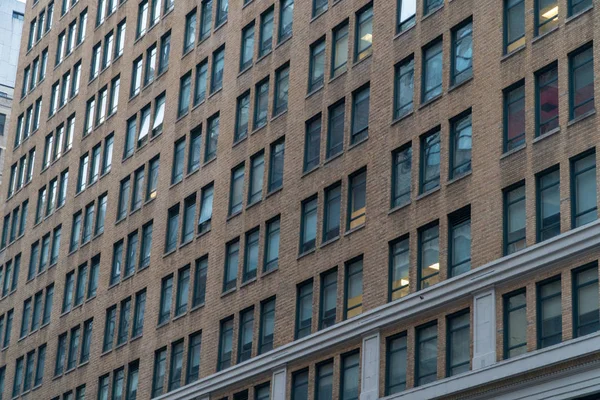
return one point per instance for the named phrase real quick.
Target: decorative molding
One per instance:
(561, 385)
(515, 266)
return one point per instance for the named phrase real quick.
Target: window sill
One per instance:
(513, 151)
(338, 75)
(182, 116)
(402, 117)
(358, 228)
(314, 91)
(228, 292)
(248, 282)
(546, 135)
(364, 59)
(120, 345)
(240, 140)
(306, 253)
(190, 173)
(513, 53)
(197, 307)
(581, 117)
(206, 162)
(182, 245)
(169, 253)
(279, 115)
(163, 324)
(352, 146)
(217, 91)
(258, 128)
(254, 203)
(310, 171)
(232, 216)
(461, 84)
(246, 69)
(247, 4)
(404, 32)
(542, 36)
(429, 192)
(283, 41)
(430, 101)
(274, 191)
(222, 24)
(269, 272)
(262, 57)
(330, 241)
(202, 234)
(460, 177)
(432, 12)
(400, 207)
(579, 14)
(333, 157)
(175, 183)
(180, 316)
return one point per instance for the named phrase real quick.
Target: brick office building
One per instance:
(302, 199)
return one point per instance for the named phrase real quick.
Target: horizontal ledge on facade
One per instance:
(514, 367)
(515, 266)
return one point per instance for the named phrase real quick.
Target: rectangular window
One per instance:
(251, 255)
(364, 33)
(357, 199)
(109, 328)
(300, 385)
(581, 79)
(318, 7)
(429, 178)
(88, 221)
(335, 131)
(546, 16)
(165, 50)
(124, 189)
(86, 341)
(236, 197)
(308, 226)
(47, 305)
(317, 65)
(193, 358)
(304, 301)
(266, 32)
(546, 97)
(183, 289)
(312, 143)
(282, 85)
(429, 256)
(549, 313)
(584, 208)
(458, 347)
(276, 165)
(18, 378)
(578, 6)
(80, 286)
(353, 295)
(404, 77)
(212, 136)
(176, 365)
(585, 300)
(132, 380)
(225, 343)
(360, 115)
(271, 252)
(130, 137)
(462, 53)
(200, 84)
(426, 354)
(339, 55)
(190, 31)
(189, 216)
(75, 232)
(178, 159)
(432, 71)
(117, 384)
(350, 375)
(102, 201)
(200, 271)
(151, 188)
(218, 63)
(206, 209)
(460, 145)
(25, 318)
(117, 262)
(401, 176)
(138, 316)
(286, 19)
(166, 297)
(39, 369)
(246, 58)
(185, 87)
(231, 265)
(73, 348)
(172, 228)
(548, 204)
(406, 15)
(261, 104)
(136, 77)
(514, 116)
(246, 334)
(150, 70)
(131, 255)
(459, 248)
(159, 372)
(514, 25)
(222, 11)
(241, 117)
(396, 363)
(399, 268)
(206, 19)
(257, 172)
(267, 326)
(159, 115)
(142, 20)
(332, 211)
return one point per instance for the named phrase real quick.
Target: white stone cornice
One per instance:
(516, 266)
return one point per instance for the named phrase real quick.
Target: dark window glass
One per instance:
(200, 281)
(404, 77)
(247, 55)
(514, 25)
(225, 343)
(547, 100)
(349, 389)
(360, 115)
(396, 360)
(159, 372)
(231, 265)
(242, 115)
(193, 357)
(583, 190)
(546, 16)
(317, 65)
(304, 309)
(286, 19)
(276, 165)
(257, 172)
(353, 296)
(430, 162)
(426, 354)
(246, 335)
(432, 71)
(357, 199)
(549, 316)
(548, 205)
(267, 326)
(300, 385)
(458, 347)
(429, 256)
(308, 228)
(462, 53)
(401, 176)
(271, 246)
(406, 15)
(514, 219)
(399, 268)
(331, 219)
(461, 145)
(335, 131)
(166, 298)
(236, 197)
(364, 33)
(585, 301)
(251, 255)
(581, 87)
